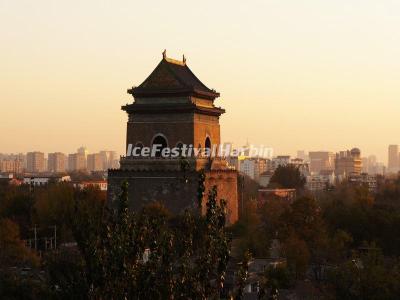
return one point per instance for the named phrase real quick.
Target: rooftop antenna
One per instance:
(184, 59)
(164, 53)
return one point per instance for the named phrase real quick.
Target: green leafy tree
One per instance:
(288, 176)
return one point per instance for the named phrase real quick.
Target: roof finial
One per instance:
(164, 54)
(184, 59)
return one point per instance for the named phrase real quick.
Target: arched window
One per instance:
(207, 143)
(159, 139)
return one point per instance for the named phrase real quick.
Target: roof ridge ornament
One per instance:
(164, 54)
(184, 59)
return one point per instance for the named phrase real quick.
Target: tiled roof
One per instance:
(172, 78)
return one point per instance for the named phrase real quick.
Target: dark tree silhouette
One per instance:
(288, 177)
(151, 255)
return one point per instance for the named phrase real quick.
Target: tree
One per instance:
(65, 274)
(297, 254)
(12, 249)
(152, 255)
(274, 279)
(305, 219)
(366, 276)
(251, 232)
(16, 204)
(288, 176)
(303, 225)
(242, 275)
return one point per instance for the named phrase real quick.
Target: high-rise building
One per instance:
(393, 159)
(35, 162)
(12, 163)
(11, 166)
(56, 162)
(253, 167)
(348, 163)
(77, 162)
(83, 150)
(302, 155)
(95, 162)
(321, 160)
(365, 165)
(371, 166)
(109, 159)
(113, 160)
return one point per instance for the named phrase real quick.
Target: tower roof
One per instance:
(172, 78)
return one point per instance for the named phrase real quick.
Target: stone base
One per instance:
(176, 190)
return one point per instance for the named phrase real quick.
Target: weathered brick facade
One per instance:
(174, 105)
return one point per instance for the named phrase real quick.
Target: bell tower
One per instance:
(172, 108)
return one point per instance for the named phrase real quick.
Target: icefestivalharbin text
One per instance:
(226, 150)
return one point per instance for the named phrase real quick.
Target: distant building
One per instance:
(371, 166)
(378, 168)
(83, 150)
(43, 180)
(320, 182)
(101, 184)
(11, 166)
(110, 159)
(95, 162)
(35, 162)
(369, 181)
(372, 162)
(348, 163)
(8, 178)
(20, 156)
(265, 178)
(56, 162)
(287, 195)
(365, 165)
(321, 160)
(301, 165)
(302, 155)
(253, 167)
(77, 162)
(393, 158)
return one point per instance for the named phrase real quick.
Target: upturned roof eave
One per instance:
(148, 93)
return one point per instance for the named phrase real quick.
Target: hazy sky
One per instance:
(310, 74)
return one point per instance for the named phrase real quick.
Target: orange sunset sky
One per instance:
(293, 75)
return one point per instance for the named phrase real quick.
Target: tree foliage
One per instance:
(368, 276)
(12, 249)
(150, 255)
(288, 176)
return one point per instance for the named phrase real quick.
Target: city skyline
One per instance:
(235, 148)
(327, 87)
